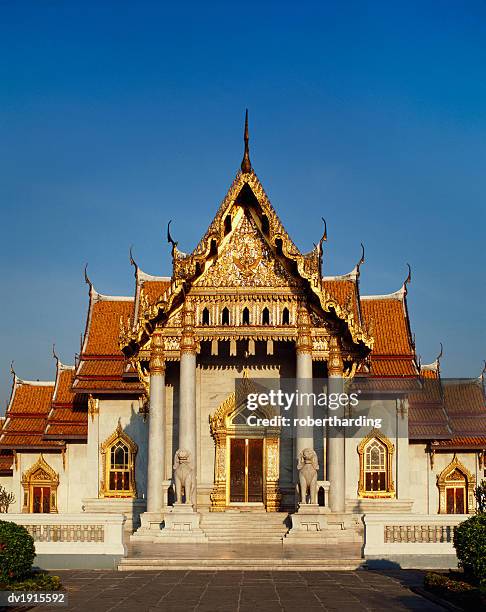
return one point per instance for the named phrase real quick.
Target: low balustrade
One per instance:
(410, 533)
(80, 533)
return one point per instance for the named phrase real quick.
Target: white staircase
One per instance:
(244, 527)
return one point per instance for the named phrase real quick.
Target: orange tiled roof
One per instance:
(68, 417)
(6, 461)
(454, 406)
(476, 442)
(390, 325)
(154, 289)
(345, 290)
(26, 416)
(103, 327)
(102, 365)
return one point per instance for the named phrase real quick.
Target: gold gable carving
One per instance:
(246, 261)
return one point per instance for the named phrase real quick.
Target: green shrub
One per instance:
(470, 545)
(37, 582)
(17, 552)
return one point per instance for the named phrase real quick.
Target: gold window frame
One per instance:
(376, 434)
(118, 436)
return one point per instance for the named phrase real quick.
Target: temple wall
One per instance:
(77, 476)
(423, 479)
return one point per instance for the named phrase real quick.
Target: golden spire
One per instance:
(246, 163)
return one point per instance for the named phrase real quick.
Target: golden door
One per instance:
(246, 470)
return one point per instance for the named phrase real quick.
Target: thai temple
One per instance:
(146, 422)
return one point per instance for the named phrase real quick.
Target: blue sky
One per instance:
(118, 116)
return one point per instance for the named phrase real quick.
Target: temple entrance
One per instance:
(247, 458)
(246, 471)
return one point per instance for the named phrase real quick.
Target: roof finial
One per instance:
(362, 259)
(54, 354)
(439, 356)
(246, 163)
(12, 371)
(86, 277)
(324, 235)
(408, 280)
(132, 261)
(170, 240)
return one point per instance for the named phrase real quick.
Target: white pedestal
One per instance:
(150, 527)
(309, 519)
(182, 526)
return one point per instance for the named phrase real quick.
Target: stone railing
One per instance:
(81, 533)
(405, 534)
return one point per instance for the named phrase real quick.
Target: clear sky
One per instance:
(118, 116)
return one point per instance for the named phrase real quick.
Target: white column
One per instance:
(304, 435)
(156, 441)
(187, 386)
(335, 449)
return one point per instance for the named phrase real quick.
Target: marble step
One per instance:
(257, 564)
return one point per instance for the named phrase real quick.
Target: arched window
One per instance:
(119, 467)
(375, 458)
(225, 316)
(456, 489)
(265, 316)
(375, 466)
(245, 317)
(205, 316)
(285, 316)
(118, 455)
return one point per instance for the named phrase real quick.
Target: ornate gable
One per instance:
(265, 257)
(246, 260)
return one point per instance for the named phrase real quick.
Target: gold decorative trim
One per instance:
(38, 475)
(375, 434)
(335, 362)
(443, 483)
(157, 354)
(93, 406)
(116, 436)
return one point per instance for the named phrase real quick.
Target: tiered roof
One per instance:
(68, 416)
(26, 416)
(102, 367)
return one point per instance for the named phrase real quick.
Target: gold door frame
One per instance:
(223, 429)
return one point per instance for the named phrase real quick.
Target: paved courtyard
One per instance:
(241, 591)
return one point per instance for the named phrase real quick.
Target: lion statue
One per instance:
(184, 476)
(307, 466)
